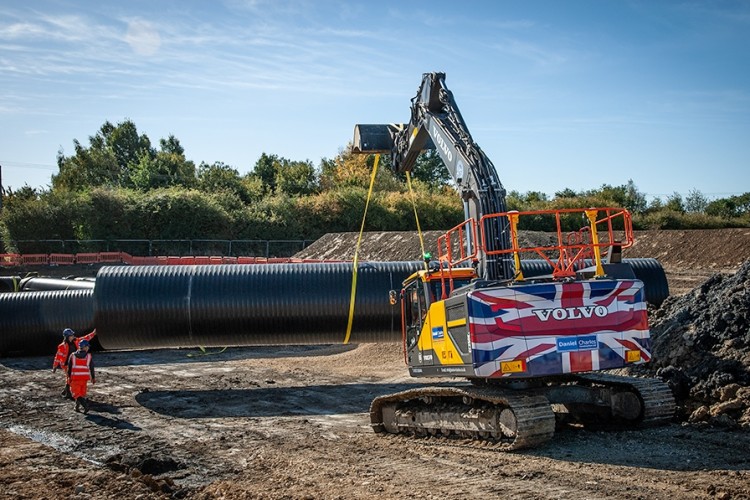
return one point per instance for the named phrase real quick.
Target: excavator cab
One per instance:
(423, 318)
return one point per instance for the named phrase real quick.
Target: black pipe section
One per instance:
(32, 323)
(648, 270)
(270, 304)
(651, 272)
(36, 284)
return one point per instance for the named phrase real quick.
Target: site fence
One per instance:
(167, 247)
(152, 252)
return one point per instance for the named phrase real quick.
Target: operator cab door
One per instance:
(415, 311)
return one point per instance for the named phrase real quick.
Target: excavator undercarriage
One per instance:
(511, 419)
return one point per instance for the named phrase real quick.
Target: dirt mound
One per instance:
(701, 345)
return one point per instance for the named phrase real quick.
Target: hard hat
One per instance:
(84, 343)
(68, 332)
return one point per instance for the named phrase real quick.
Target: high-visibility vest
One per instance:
(61, 358)
(80, 367)
(63, 351)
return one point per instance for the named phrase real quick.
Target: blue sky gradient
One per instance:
(559, 94)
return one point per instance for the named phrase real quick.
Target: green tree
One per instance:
(296, 178)
(220, 178)
(675, 203)
(350, 169)
(730, 208)
(566, 193)
(167, 167)
(695, 202)
(265, 169)
(431, 170)
(108, 160)
(626, 196)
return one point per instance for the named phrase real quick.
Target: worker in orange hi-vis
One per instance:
(80, 371)
(64, 350)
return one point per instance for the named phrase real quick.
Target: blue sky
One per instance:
(558, 93)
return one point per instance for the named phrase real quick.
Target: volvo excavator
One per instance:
(531, 327)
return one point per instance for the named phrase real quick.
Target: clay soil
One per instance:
(292, 422)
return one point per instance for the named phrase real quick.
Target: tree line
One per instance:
(120, 186)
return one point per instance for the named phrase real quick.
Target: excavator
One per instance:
(532, 328)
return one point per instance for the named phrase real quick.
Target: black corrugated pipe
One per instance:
(647, 270)
(187, 306)
(651, 272)
(32, 323)
(35, 284)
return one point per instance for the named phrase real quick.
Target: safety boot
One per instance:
(78, 404)
(66, 392)
(85, 404)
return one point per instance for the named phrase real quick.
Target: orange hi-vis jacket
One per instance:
(80, 368)
(63, 351)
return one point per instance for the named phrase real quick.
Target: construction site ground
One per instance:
(292, 421)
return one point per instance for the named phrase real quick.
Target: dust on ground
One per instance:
(292, 422)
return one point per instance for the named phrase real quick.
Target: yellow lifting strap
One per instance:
(353, 295)
(416, 217)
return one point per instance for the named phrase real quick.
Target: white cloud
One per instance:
(143, 37)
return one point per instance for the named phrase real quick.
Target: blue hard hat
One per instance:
(68, 332)
(84, 343)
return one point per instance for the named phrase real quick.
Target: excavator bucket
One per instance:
(372, 139)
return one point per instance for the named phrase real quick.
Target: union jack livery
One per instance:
(554, 328)
(529, 330)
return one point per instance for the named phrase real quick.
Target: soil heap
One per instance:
(701, 346)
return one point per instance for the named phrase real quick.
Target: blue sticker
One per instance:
(588, 343)
(437, 333)
(567, 344)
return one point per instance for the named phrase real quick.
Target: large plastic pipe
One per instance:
(188, 306)
(647, 270)
(35, 284)
(32, 323)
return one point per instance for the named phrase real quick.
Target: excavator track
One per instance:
(510, 421)
(656, 401)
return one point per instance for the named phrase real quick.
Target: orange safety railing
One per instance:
(35, 259)
(10, 259)
(87, 258)
(61, 259)
(55, 259)
(458, 244)
(110, 257)
(604, 228)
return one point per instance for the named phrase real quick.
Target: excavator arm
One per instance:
(436, 123)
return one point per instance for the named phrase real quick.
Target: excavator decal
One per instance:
(506, 327)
